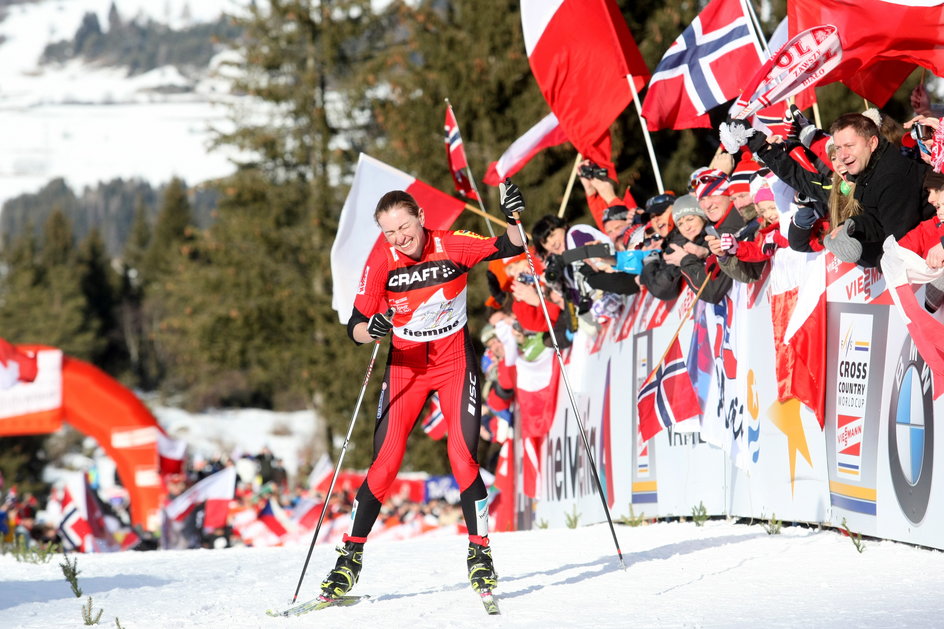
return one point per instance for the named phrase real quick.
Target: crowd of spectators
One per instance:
(844, 189)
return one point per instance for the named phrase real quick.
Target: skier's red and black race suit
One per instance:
(431, 351)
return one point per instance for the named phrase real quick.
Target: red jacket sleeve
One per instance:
(531, 317)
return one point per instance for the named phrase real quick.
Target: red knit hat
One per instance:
(741, 177)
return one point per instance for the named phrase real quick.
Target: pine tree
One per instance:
(99, 285)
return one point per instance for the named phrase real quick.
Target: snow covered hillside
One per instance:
(90, 124)
(678, 575)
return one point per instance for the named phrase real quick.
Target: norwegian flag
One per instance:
(455, 156)
(434, 424)
(702, 69)
(74, 529)
(669, 397)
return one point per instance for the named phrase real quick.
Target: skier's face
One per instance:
(403, 230)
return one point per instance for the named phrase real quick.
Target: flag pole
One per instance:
(755, 25)
(645, 133)
(816, 119)
(678, 330)
(468, 170)
(570, 185)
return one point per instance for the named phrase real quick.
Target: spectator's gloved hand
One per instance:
(800, 125)
(511, 201)
(379, 326)
(734, 134)
(729, 244)
(842, 244)
(806, 214)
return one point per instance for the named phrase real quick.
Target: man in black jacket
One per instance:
(889, 186)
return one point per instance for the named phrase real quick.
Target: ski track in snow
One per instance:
(677, 575)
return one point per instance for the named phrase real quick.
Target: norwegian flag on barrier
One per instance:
(702, 69)
(669, 397)
(455, 155)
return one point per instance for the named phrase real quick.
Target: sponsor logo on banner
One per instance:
(911, 433)
(645, 489)
(568, 474)
(852, 391)
(851, 284)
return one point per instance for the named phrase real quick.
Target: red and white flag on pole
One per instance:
(215, 491)
(581, 53)
(798, 311)
(358, 233)
(455, 157)
(15, 365)
(171, 453)
(704, 67)
(882, 41)
(536, 392)
(904, 271)
(544, 134)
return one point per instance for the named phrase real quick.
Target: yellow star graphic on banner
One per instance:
(786, 417)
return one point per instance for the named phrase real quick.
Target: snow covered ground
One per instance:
(678, 575)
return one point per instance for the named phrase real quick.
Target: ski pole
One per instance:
(570, 393)
(337, 469)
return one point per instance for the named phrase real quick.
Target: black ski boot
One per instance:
(482, 574)
(340, 580)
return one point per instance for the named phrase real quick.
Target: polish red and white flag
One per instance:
(358, 232)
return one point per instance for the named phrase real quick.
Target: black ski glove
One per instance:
(511, 201)
(379, 326)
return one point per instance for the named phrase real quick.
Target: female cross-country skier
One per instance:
(421, 276)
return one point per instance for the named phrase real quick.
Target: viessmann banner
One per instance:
(750, 455)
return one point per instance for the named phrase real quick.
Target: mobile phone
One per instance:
(711, 231)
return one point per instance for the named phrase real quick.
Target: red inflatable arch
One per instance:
(97, 405)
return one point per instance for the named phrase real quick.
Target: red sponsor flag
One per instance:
(358, 233)
(214, 491)
(455, 157)
(544, 134)
(581, 53)
(882, 41)
(170, 453)
(669, 397)
(798, 313)
(15, 365)
(904, 270)
(434, 424)
(705, 67)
